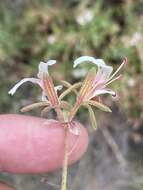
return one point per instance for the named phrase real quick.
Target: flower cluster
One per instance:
(95, 84)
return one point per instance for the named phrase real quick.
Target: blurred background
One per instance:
(35, 30)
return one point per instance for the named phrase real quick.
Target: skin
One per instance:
(34, 145)
(5, 187)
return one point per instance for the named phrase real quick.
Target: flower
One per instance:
(95, 83)
(42, 73)
(136, 39)
(85, 17)
(101, 79)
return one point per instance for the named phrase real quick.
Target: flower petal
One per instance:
(59, 87)
(43, 67)
(104, 73)
(49, 89)
(104, 91)
(44, 97)
(98, 62)
(33, 80)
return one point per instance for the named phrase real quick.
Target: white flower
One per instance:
(94, 84)
(43, 68)
(51, 39)
(85, 17)
(102, 78)
(136, 39)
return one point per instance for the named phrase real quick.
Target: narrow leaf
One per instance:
(45, 111)
(70, 89)
(91, 116)
(68, 85)
(99, 105)
(35, 105)
(65, 105)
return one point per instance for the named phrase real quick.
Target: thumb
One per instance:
(35, 145)
(5, 187)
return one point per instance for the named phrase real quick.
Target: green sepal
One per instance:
(45, 111)
(91, 116)
(68, 85)
(99, 105)
(72, 88)
(35, 105)
(65, 105)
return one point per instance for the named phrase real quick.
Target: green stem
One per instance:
(74, 110)
(65, 161)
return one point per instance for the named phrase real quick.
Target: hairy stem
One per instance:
(65, 161)
(74, 110)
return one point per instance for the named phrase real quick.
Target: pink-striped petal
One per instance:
(103, 91)
(103, 74)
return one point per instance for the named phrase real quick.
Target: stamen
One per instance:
(119, 68)
(110, 81)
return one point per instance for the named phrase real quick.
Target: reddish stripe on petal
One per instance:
(87, 85)
(49, 89)
(84, 91)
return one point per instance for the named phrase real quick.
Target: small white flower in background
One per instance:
(43, 68)
(51, 39)
(85, 17)
(136, 39)
(131, 82)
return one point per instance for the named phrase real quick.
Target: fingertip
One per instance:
(3, 186)
(36, 145)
